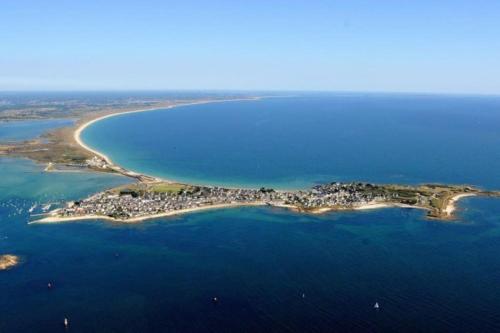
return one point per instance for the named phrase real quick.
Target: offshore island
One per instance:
(8, 261)
(151, 197)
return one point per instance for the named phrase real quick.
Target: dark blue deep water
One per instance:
(296, 142)
(272, 270)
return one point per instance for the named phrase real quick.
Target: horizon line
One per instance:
(219, 90)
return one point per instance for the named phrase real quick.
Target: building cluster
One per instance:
(135, 204)
(336, 195)
(96, 162)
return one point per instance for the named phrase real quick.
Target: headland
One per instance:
(147, 200)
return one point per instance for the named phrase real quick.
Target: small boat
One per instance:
(376, 306)
(46, 207)
(32, 208)
(66, 322)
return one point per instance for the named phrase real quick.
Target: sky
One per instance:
(437, 46)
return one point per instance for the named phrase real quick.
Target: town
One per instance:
(130, 203)
(143, 200)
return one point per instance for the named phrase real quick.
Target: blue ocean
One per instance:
(271, 270)
(296, 142)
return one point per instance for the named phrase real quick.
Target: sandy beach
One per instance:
(58, 219)
(54, 218)
(379, 205)
(82, 127)
(374, 205)
(451, 207)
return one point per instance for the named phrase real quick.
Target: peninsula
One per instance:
(151, 197)
(146, 200)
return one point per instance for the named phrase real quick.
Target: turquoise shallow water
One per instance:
(297, 142)
(161, 276)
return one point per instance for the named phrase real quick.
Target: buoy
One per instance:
(66, 322)
(376, 306)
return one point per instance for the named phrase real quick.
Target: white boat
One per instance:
(376, 306)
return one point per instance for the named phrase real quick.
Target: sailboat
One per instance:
(32, 208)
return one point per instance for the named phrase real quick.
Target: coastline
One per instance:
(379, 205)
(451, 207)
(323, 210)
(129, 173)
(443, 211)
(58, 219)
(446, 213)
(369, 206)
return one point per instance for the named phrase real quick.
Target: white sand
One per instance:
(372, 206)
(81, 128)
(451, 207)
(58, 219)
